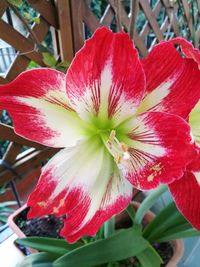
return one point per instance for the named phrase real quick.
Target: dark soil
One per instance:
(165, 251)
(50, 226)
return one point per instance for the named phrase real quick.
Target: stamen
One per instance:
(124, 147)
(112, 135)
(118, 150)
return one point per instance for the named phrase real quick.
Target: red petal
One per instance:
(173, 82)
(70, 185)
(160, 149)
(104, 213)
(186, 194)
(188, 49)
(194, 166)
(106, 77)
(38, 105)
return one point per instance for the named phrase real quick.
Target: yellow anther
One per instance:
(150, 178)
(118, 158)
(124, 147)
(55, 209)
(42, 204)
(156, 171)
(157, 167)
(62, 202)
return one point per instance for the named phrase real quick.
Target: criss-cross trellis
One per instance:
(163, 19)
(70, 23)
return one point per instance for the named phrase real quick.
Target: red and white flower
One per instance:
(109, 113)
(180, 101)
(186, 191)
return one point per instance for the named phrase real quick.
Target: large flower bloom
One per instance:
(114, 127)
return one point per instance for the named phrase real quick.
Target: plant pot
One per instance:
(14, 226)
(122, 221)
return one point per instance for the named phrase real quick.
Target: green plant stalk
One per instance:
(109, 227)
(148, 203)
(131, 212)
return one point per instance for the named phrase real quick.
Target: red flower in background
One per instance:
(161, 64)
(110, 113)
(186, 191)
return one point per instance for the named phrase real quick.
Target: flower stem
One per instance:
(148, 203)
(109, 227)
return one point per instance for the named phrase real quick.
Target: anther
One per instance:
(118, 150)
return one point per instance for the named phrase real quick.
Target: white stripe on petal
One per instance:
(154, 98)
(155, 149)
(106, 81)
(106, 192)
(63, 125)
(113, 102)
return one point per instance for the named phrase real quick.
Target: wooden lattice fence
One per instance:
(70, 23)
(178, 18)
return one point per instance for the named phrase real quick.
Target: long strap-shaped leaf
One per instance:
(148, 202)
(46, 244)
(149, 258)
(168, 218)
(179, 235)
(121, 245)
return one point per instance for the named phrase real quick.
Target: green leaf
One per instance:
(48, 59)
(149, 258)
(181, 227)
(149, 201)
(179, 235)
(46, 244)
(109, 227)
(36, 20)
(168, 218)
(62, 66)
(38, 260)
(121, 245)
(131, 212)
(30, 18)
(33, 65)
(16, 2)
(27, 15)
